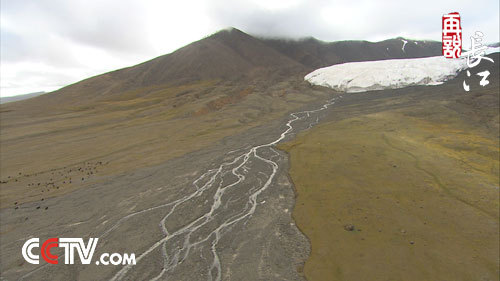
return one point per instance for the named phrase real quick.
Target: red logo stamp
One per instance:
(452, 36)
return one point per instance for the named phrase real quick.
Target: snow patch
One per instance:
(404, 44)
(386, 74)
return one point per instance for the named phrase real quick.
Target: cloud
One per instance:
(49, 42)
(355, 19)
(111, 25)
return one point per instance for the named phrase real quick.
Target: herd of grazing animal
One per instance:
(47, 181)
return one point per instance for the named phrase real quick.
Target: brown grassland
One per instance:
(119, 135)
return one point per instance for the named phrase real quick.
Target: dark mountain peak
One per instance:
(229, 55)
(229, 33)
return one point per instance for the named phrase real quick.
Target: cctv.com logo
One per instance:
(85, 253)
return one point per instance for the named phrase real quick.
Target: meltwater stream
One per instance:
(236, 183)
(226, 177)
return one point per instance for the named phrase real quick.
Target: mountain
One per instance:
(232, 55)
(228, 55)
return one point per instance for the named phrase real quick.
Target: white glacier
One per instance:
(386, 74)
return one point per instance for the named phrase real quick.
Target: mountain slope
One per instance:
(316, 54)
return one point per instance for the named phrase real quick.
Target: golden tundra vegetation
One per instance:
(406, 191)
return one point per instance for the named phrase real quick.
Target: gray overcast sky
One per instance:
(46, 44)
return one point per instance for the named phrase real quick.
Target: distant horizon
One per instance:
(21, 97)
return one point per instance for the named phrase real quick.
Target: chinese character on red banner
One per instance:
(452, 36)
